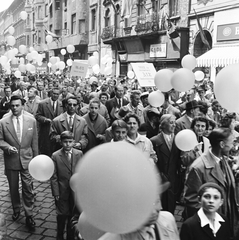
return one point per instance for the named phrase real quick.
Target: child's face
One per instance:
(67, 144)
(211, 200)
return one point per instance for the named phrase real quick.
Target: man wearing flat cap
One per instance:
(192, 110)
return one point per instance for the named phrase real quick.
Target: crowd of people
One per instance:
(64, 117)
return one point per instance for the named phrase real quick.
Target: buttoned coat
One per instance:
(60, 124)
(63, 171)
(27, 148)
(98, 127)
(44, 111)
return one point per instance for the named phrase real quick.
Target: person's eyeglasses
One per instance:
(72, 104)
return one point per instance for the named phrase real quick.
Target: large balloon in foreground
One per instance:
(182, 80)
(118, 191)
(227, 88)
(162, 80)
(156, 98)
(41, 167)
(87, 231)
(186, 140)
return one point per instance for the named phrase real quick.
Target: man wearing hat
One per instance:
(213, 166)
(192, 110)
(144, 99)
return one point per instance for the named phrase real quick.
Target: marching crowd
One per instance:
(64, 117)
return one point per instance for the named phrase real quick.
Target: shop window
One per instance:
(82, 26)
(107, 17)
(73, 23)
(93, 19)
(57, 5)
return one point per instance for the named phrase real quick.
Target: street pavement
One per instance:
(44, 212)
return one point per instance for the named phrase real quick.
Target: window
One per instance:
(82, 26)
(40, 16)
(127, 22)
(65, 25)
(57, 5)
(73, 23)
(50, 11)
(155, 5)
(173, 8)
(46, 10)
(107, 17)
(50, 27)
(65, 3)
(141, 7)
(93, 20)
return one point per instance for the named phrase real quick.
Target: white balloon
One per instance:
(22, 49)
(31, 49)
(22, 60)
(63, 51)
(108, 70)
(162, 80)
(22, 68)
(199, 75)
(11, 54)
(53, 60)
(186, 140)
(11, 40)
(3, 60)
(61, 65)
(39, 58)
(49, 39)
(23, 15)
(96, 69)
(15, 51)
(189, 62)
(156, 98)
(14, 60)
(58, 59)
(39, 63)
(96, 54)
(17, 74)
(28, 67)
(29, 57)
(34, 54)
(70, 48)
(69, 62)
(130, 74)
(49, 64)
(11, 30)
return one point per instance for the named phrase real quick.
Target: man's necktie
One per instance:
(68, 157)
(119, 102)
(71, 123)
(54, 106)
(18, 130)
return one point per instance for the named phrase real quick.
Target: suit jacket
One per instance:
(32, 107)
(27, 148)
(60, 124)
(44, 111)
(192, 230)
(112, 104)
(22, 93)
(4, 106)
(182, 123)
(98, 127)
(63, 171)
(165, 226)
(43, 94)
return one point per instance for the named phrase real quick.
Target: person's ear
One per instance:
(222, 201)
(199, 199)
(222, 144)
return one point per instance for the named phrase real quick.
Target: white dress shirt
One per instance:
(14, 120)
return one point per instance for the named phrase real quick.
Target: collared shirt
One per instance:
(14, 120)
(214, 157)
(167, 137)
(205, 221)
(54, 102)
(68, 117)
(189, 118)
(145, 145)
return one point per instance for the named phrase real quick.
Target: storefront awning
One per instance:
(219, 56)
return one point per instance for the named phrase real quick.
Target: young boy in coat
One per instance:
(65, 161)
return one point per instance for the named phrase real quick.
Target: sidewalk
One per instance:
(44, 212)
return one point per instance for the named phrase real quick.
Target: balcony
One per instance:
(108, 33)
(147, 23)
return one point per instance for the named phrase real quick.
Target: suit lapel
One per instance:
(11, 129)
(64, 159)
(64, 122)
(163, 145)
(89, 124)
(49, 106)
(97, 123)
(24, 127)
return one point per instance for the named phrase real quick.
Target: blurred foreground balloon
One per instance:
(87, 231)
(182, 80)
(186, 140)
(162, 80)
(156, 98)
(118, 191)
(227, 87)
(130, 74)
(189, 62)
(199, 75)
(41, 167)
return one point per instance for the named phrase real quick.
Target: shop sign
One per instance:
(228, 32)
(79, 69)
(145, 73)
(158, 50)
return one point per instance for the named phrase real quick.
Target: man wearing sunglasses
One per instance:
(70, 121)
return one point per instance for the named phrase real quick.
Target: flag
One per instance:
(127, 7)
(202, 33)
(172, 31)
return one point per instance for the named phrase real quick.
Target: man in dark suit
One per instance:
(70, 121)
(42, 93)
(48, 109)
(115, 103)
(213, 167)
(65, 161)
(5, 102)
(32, 102)
(19, 142)
(184, 122)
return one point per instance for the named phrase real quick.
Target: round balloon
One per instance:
(115, 195)
(49, 64)
(63, 51)
(31, 49)
(22, 49)
(22, 60)
(11, 30)
(87, 230)
(162, 80)
(186, 140)
(11, 54)
(199, 75)
(61, 65)
(14, 60)
(49, 39)
(189, 62)
(29, 57)
(182, 80)
(96, 69)
(227, 87)
(22, 68)
(15, 51)
(156, 98)
(28, 67)
(41, 167)
(130, 74)
(17, 74)
(108, 70)
(11, 40)
(92, 60)
(70, 48)
(23, 15)
(96, 54)
(69, 62)
(39, 63)
(53, 60)
(3, 60)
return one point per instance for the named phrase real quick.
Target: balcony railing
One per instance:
(148, 22)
